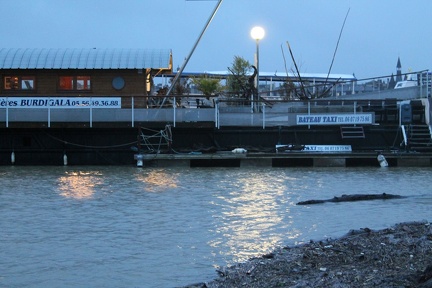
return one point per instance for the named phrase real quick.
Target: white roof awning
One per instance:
(13, 58)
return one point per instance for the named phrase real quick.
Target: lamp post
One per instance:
(256, 33)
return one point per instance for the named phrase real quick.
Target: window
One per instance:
(66, 83)
(83, 83)
(19, 82)
(75, 83)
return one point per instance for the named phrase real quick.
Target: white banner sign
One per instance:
(327, 148)
(334, 119)
(315, 148)
(60, 102)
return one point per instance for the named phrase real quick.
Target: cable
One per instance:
(88, 146)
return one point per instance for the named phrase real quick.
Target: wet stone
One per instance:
(400, 256)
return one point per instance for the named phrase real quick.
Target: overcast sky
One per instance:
(376, 32)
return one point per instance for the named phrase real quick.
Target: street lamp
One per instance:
(257, 33)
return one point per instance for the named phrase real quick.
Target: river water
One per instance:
(152, 227)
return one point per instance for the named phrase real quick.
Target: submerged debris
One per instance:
(400, 256)
(352, 198)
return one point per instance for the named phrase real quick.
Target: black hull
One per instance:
(117, 146)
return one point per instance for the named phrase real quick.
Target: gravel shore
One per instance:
(400, 256)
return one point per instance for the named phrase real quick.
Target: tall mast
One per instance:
(178, 75)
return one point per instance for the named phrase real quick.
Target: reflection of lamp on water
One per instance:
(257, 33)
(78, 185)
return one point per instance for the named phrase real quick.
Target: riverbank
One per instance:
(400, 256)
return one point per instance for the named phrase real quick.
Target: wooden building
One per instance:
(81, 72)
(75, 102)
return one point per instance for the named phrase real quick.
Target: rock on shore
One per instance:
(400, 256)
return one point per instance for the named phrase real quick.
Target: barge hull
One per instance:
(198, 146)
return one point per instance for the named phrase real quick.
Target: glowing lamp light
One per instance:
(257, 33)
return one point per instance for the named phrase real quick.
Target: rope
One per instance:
(88, 146)
(162, 135)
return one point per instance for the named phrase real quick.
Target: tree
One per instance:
(181, 87)
(208, 86)
(238, 81)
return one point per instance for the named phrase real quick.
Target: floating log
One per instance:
(352, 198)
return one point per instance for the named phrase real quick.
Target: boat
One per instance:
(91, 106)
(405, 84)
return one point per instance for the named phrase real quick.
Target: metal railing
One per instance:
(221, 111)
(369, 87)
(133, 110)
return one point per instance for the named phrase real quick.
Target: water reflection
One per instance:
(158, 180)
(251, 211)
(197, 219)
(79, 184)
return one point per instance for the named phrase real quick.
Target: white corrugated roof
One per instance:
(279, 76)
(36, 58)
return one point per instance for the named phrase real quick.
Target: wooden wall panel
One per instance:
(101, 82)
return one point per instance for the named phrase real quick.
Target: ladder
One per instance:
(419, 138)
(350, 132)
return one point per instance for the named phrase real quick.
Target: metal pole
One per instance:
(49, 113)
(428, 82)
(133, 112)
(7, 112)
(253, 106)
(216, 113)
(193, 49)
(174, 112)
(257, 66)
(91, 112)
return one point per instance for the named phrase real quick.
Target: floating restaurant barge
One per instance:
(96, 107)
